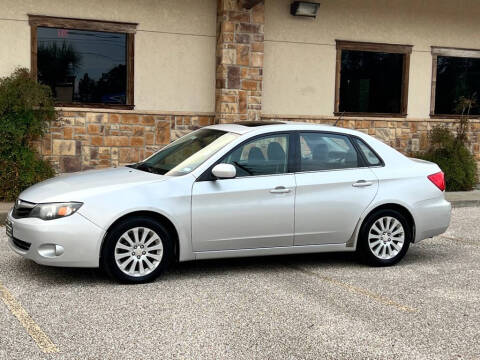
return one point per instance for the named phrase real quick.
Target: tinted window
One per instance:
(371, 82)
(261, 156)
(370, 156)
(326, 152)
(83, 66)
(456, 77)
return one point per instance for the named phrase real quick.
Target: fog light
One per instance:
(50, 250)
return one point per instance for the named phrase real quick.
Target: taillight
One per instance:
(438, 179)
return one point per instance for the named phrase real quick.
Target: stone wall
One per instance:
(406, 135)
(239, 61)
(81, 140)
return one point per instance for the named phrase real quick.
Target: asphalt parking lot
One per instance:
(291, 307)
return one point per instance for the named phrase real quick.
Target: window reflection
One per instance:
(371, 82)
(83, 66)
(456, 77)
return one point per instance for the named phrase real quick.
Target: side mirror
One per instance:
(224, 171)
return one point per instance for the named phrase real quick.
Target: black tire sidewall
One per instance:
(107, 260)
(364, 248)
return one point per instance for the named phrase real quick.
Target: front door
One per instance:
(253, 210)
(333, 190)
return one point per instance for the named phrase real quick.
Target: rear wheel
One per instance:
(137, 250)
(384, 238)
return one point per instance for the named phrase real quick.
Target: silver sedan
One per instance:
(234, 190)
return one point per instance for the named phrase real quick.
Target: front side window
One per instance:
(456, 76)
(83, 65)
(372, 78)
(187, 153)
(319, 151)
(262, 156)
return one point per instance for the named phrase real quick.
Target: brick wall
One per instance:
(82, 140)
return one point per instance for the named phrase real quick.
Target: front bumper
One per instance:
(432, 217)
(72, 241)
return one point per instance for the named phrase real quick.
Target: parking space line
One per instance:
(32, 328)
(355, 289)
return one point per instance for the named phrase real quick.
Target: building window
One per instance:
(86, 63)
(456, 74)
(372, 79)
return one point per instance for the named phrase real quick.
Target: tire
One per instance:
(384, 238)
(137, 250)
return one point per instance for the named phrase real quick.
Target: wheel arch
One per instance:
(162, 219)
(392, 206)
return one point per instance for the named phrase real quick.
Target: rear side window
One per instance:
(322, 151)
(370, 156)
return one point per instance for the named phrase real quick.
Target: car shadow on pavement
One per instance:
(56, 276)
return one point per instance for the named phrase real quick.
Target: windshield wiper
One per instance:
(243, 168)
(146, 167)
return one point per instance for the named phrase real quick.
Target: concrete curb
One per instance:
(465, 203)
(3, 217)
(4, 209)
(458, 200)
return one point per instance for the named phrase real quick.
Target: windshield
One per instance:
(187, 153)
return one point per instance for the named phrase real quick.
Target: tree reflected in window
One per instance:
(456, 77)
(83, 66)
(371, 82)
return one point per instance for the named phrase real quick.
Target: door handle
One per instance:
(362, 183)
(280, 190)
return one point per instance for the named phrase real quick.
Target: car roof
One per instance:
(260, 127)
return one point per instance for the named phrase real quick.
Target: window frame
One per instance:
(291, 156)
(447, 52)
(406, 50)
(129, 29)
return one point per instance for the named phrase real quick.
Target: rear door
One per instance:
(334, 187)
(254, 209)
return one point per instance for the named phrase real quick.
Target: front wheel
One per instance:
(137, 250)
(384, 238)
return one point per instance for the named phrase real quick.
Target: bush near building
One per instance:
(26, 107)
(451, 151)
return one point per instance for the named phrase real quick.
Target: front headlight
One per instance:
(55, 210)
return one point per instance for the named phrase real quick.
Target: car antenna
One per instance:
(339, 118)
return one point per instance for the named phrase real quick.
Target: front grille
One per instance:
(21, 244)
(22, 209)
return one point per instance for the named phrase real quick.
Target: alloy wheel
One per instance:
(386, 237)
(138, 251)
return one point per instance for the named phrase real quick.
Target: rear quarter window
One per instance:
(370, 156)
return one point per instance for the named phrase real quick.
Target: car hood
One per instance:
(81, 185)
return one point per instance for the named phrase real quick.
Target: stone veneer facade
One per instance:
(82, 140)
(406, 135)
(239, 61)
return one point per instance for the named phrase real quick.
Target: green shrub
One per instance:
(452, 155)
(25, 110)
